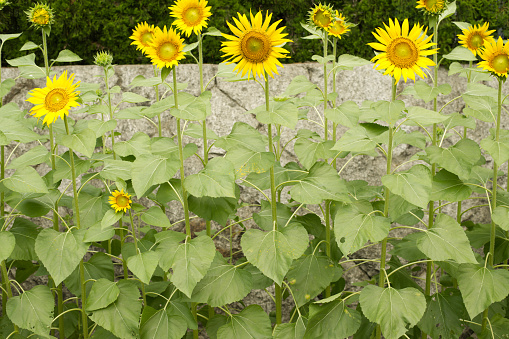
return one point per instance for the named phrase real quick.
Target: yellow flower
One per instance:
(40, 15)
(166, 48)
(120, 201)
(255, 45)
(142, 36)
(495, 58)
(476, 37)
(339, 26)
(192, 15)
(321, 16)
(403, 53)
(432, 7)
(54, 100)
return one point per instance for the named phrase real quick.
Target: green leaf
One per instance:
(189, 260)
(99, 266)
(216, 180)
(356, 140)
(156, 217)
(244, 135)
(332, 320)
(500, 216)
(110, 217)
(92, 209)
(190, 108)
(273, 252)
(357, 224)
(5, 86)
(161, 323)
(458, 159)
(100, 127)
(213, 32)
(115, 169)
(217, 209)
(413, 185)
(34, 156)
(291, 171)
(321, 183)
(223, 284)
(102, 294)
(26, 180)
(308, 276)
(251, 323)
(33, 310)
(17, 131)
(26, 60)
(447, 186)
(389, 111)
(481, 286)
(140, 80)
(67, 56)
(6, 37)
(133, 98)
(441, 319)
(446, 240)
(121, 318)
(299, 85)
(348, 62)
(83, 142)
(497, 328)
(196, 131)
(143, 265)
(347, 114)
(8, 242)
(283, 113)
(264, 218)
(96, 233)
(149, 170)
(421, 90)
(247, 161)
(60, 252)
(460, 53)
(25, 233)
(294, 330)
(308, 151)
(63, 166)
(480, 107)
(425, 117)
(498, 150)
(139, 144)
(395, 310)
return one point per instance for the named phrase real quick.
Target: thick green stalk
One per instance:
(325, 98)
(156, 87)
(134, 230)
(7, 286)
(107, 84)
(334, 72)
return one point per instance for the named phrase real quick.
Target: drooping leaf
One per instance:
(149, 170)
(284, 113)
(34, 156)
(294, 330)
(332, 320)
(298, 85)
(96, 233)
(447, 186)
(217, 209)
(67, 56)
(115, 169)
(243, 135)
(356, 140)
(100, 127)
(308, 152)
(139, 144)
(25, 233)
(347, 114)
(143, 265)
(102, 294)
(421, 116)
(8, 241)
(252, 322)
(247, 161)
(83, 142)
(216, 180)
(413, 185)
(156, 217)
(161, 324)
(264, 218)
(99, 266)
(133, 97)
(460, 53)
(26, 180)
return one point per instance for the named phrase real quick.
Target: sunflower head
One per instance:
(41, 15)
(321, 16)
(495, 56)
(166, 48)
(475, 37)
(103, 59)
(402, 52)
(191, 15)
(54, 100)
(255, 45)
(339, 26)
(143, 34)
(120, 201)
(432, 7)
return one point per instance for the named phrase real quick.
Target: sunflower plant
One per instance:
(141, 233)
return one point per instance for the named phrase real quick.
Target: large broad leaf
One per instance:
(299, 85)
(223, 284)
(115, 169)
(149, 170)
(143, 265)
(348, 62)
(273, 252)
(332, 320)
(33, 310)
(413, 185)
(102, 294)
(243, 135)
(480, 107)
(481, 286)
(310, 275)
(460, 53)
(322, 183)
(8, 242)
(499, 150)
(122, 317)
(100, 127)
(500, 216)
(26, 180)
(251, 323)
(389, 111)
(156, 217)
(92, 209)
(189, 260)
(283, 113)
(191, 108)
(395, 310)
(161, 324)
(17, 131)
(60, 252)
(458, 159)
(308, 151)
(347, 114)
(67, 56)
(356, 140)
(217, 209)
(264, 218)
(35, 156)
(421, 116)
(216, 180)
(447, 186)
(497, 328)
(291, 171)
(139, 144)
(247, 161)
(83, 142)
(446, 240)
(99, 266)
(441, 319)
(421, 90)
(294, 330)
(355, 224)
(25, 233)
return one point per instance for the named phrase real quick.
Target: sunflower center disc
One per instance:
(122, 201)
(146, 37)
(56, 99)
(501, 63)
(255, 47)
(322, 19)
(192, 16)
(167, 51)
(476, 41)
(402, 53)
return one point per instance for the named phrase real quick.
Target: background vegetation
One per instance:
(88, 26)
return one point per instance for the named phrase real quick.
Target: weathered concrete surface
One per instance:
(230, 101)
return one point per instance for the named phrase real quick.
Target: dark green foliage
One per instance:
(89, 26)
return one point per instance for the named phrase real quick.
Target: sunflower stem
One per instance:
(7, 286)
(325, 96)
(106, 81)
(156, 88)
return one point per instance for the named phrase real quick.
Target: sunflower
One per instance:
(54, 100)
(495, 58)
(432, 7)
(166, 48)
(142, 36)
(339, 26)
(475, 37)
(192, 15)
(120, 201)
(41, 15)
(255, 45)
(403, 53)
(321, 16)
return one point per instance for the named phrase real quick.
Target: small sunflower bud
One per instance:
(103, 59)
(41, 15)
(3, 3)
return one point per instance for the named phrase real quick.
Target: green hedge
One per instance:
(88, 26)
